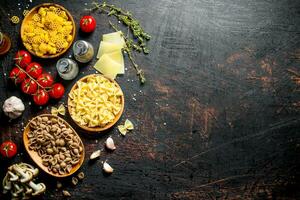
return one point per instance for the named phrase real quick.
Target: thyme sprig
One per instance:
(138, 44)
(128, 20)
(127, 49)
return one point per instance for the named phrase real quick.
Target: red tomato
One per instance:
(8, 149)
(34, 69)
(57, 91)
(45, 80)
(17, 75)
(23, 58)
(87, 24)
(41, 97)
(29, 86)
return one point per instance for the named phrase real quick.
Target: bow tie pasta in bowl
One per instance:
(95, 103)
(48, 30)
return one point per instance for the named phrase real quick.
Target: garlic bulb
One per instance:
(13, 107)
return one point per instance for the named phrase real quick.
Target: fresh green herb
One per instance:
(134, 26)
(127, 49)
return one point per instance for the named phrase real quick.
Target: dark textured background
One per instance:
(218, 117)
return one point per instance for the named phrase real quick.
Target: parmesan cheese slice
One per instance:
(108, 47)
(115, 38)
(108, 67)
(117, 56)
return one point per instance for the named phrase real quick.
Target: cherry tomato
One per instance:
(8, 149)
(29, 86)
(23, 58)
(41, 97)
(57, 91)
(87, 24)
(17, 75)
(45, 80)
(34, 69)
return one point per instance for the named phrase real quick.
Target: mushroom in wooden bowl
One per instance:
(48, 30)
(95, 103)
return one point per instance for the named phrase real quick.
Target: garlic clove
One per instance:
(107, 168)
(109, 144)
(95, 154)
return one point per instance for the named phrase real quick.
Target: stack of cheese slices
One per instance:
(110, 55)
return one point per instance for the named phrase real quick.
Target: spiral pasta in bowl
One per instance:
(48, 30)
(95, 103)
(53, 145)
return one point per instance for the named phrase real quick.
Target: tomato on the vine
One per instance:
(29, 86)
(8, 149)
(57, 91)
(34, 69)
(45, 80)
(23, 58)
(41, 97)
(87, 24)
(17, 75)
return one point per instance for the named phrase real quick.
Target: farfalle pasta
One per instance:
(95, 102)
(49, 31)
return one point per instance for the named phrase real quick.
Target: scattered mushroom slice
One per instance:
(80, 175)
(107, 168)
(110, 144)
(74, 180)
(95, 154)
(37, 188)
(66, 193)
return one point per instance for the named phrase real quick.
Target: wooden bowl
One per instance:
(109, 125)
(37, 159)
(35, 10)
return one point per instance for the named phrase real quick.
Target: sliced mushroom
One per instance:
(13, 177)
(37, 188)
(28, 190)
(6, 184)
(25, 175)
(30, 168)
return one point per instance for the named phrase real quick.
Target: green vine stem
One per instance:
(39, 85)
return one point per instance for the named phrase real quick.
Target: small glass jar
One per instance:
(67, 68)
(5, 44)
(83, 51)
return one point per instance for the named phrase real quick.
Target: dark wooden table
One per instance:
(218, 117)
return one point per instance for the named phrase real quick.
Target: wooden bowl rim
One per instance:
(109, 125)
(47, 5)
(33, 154)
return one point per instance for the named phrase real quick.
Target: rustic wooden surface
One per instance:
(218, 117)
